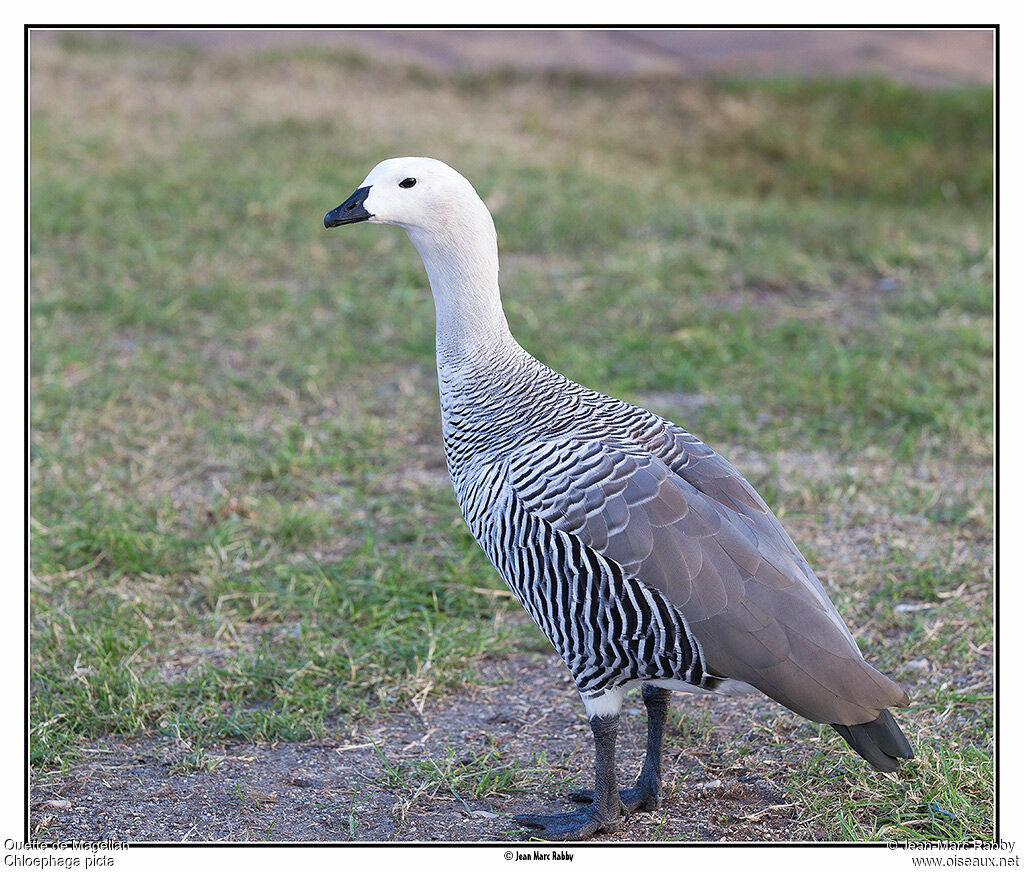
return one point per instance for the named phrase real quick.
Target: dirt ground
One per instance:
(343, 788)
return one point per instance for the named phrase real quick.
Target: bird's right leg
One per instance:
(603, 815)
(646, 793)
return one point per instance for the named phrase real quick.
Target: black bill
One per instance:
(351, 211)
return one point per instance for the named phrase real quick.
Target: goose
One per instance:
(645, 557)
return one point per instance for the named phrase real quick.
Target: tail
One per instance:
(881, 742)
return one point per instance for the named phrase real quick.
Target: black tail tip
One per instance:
(881, 742)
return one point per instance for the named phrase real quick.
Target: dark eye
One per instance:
(407, 183)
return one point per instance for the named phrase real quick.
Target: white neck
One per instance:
(461, 259)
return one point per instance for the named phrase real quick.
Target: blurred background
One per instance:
(243, 531)
(935, 58)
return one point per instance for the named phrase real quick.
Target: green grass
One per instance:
(241, 522)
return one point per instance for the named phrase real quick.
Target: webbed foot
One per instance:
(643, 797)
(573, 825)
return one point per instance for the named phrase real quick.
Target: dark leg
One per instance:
(604, 814)
(646, 795)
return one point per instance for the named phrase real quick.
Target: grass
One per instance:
(242, 525)
(474, 776)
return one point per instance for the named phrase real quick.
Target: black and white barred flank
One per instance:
(609, 628)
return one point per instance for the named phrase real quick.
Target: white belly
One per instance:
(609, 702)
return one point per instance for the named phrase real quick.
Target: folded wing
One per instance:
(684, 521)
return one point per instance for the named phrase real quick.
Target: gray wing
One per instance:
(684, 521)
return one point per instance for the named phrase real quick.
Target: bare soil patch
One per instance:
(344, 788)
